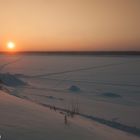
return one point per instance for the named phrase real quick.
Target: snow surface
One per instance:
(21, 119)
(108, 88)
(11, 80)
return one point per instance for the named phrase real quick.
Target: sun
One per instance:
(10, 45)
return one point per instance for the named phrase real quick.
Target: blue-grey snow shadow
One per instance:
(74, 89)
(11, 80)
(110, 95)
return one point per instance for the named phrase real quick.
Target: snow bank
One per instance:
(11, 80)
(74, 88)
(110, 95)
(24, 120)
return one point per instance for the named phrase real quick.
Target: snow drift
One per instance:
(11, 80)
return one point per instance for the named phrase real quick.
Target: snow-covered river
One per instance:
(103, 86)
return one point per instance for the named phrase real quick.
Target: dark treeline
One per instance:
(76, 53)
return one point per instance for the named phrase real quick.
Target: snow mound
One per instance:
(10, 80)
(74, 88)
(110, 95)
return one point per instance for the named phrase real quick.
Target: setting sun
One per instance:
(11, 45)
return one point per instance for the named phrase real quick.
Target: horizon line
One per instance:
(75, 52)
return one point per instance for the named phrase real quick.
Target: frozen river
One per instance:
(103, 86)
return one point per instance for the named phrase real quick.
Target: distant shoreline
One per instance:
(112, 53)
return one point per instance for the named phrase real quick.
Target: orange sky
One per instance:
(57, 25)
